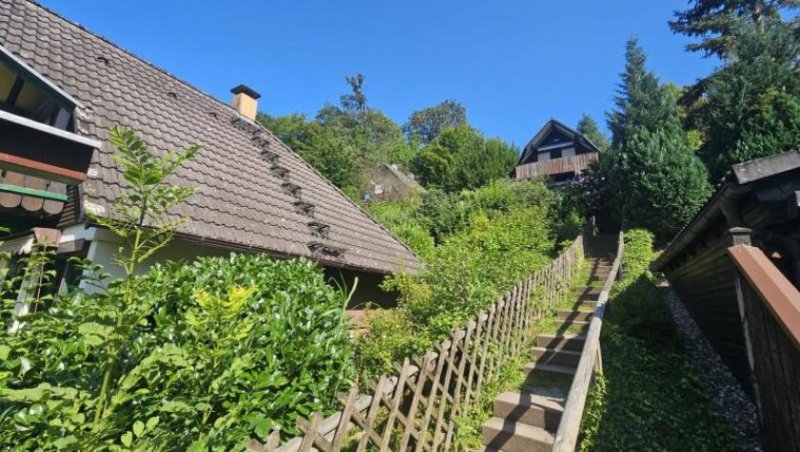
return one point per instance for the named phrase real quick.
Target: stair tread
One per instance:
(553, 368)
(519, 429)
(555, 350)
(563, 336)
(527, 399)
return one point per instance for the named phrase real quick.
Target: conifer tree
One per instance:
(711, 20)
(588, 127)
(658, 183)
(750, 107)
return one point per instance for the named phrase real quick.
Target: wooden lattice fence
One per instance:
(416, 408)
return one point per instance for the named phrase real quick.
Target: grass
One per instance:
(650, 396)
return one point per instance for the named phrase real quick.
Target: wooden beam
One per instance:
(36, 168)
(34, 193)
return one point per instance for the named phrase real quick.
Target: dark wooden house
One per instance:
(736, 267)
(557, 152)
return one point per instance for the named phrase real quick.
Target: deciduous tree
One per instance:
(426, 124)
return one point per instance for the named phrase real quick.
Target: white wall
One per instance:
(104, 246)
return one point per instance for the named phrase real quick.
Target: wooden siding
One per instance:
(705, 284)
(552, 167)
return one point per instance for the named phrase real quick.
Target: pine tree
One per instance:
(711, 20)
(656, 181)
(588, 127)
(751, 106)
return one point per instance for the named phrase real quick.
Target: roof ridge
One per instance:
(130, 53)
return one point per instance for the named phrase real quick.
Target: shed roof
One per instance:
(253, 191)
(741, 176)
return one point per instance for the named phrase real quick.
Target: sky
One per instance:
(513, 64)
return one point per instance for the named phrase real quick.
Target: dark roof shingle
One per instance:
(240, 201)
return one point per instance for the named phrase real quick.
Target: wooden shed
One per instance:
(736, 267)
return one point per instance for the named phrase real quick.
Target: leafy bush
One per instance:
(488, 240)
(186, 357)
(637, 306)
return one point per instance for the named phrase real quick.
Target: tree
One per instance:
(750, 107)
(588, 127)
(346, 142)
(461, 158)
(655, 180)
(426, 124)
(710, 20)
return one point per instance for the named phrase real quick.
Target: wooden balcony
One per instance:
(560, 166)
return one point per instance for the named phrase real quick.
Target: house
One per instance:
(736, 268)
(557, 152)
(388, 181)
(62, 88)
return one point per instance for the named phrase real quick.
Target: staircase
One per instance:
(527, 420)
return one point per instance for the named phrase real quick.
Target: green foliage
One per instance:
(751, 106)
(186, 357)
(344, 143)
(426, 124)
(654, 179)
(711, 21)
(488, 239)
(638, 308)
(650, 396)
(461, 158)
(588, 127)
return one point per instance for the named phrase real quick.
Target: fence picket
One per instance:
(418, 405)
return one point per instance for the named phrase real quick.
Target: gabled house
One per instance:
(62, 88)
(557, 152)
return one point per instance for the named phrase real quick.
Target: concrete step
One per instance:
(581, 316)
(588, 290)
(549, 369)
(558, 357)
(510, 436)
(588, 293)
(531, 409)
(571, 342)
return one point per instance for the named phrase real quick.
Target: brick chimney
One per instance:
(245, 101)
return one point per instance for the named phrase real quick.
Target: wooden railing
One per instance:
(417, 407)
(770, 308)
(590, 362)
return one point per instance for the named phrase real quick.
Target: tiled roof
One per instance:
(247, 180)
(574, 164)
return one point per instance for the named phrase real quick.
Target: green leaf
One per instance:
(65, 442)
(4, 351)
(127, 439)
(138, 428)
(152, 423)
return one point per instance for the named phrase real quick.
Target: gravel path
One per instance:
(725, 391)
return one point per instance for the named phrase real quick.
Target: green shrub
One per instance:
(230, 348)
(192, 357)
(464, 274)
(637, 306)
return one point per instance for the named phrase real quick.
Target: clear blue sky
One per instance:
(513, 64)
